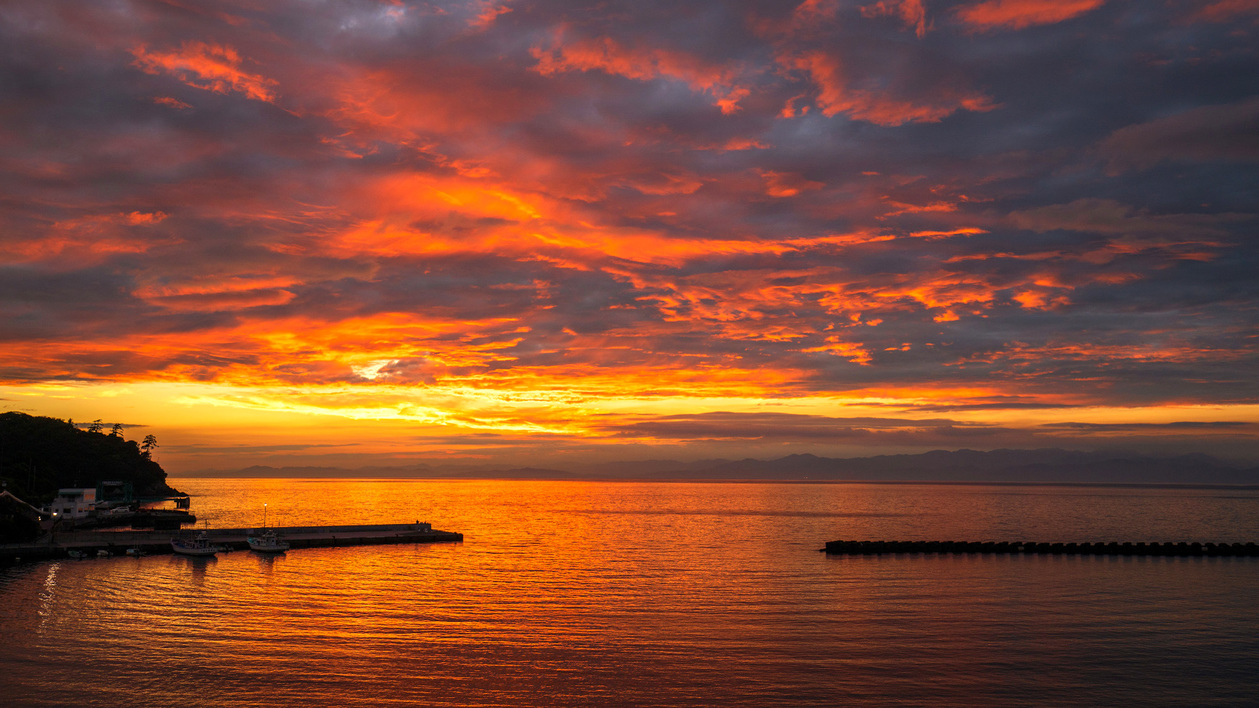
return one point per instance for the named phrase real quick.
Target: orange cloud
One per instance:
(216, 293)
(420, 106)
(969, 231)
(1017, 14)
(489, 11)
(813, 11)
(912, 12)
(643, 64)
(206, 66)
(782, 184)
(89, 238)
(854, 352)
(1037, 300)
(172, 102)
(136, 218)
(835, 95)
(225, 301)
(1224, 10)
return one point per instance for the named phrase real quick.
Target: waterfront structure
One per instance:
(73, 503)
(1113, 548)
(155, 542)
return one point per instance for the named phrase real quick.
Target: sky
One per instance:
(297, 232)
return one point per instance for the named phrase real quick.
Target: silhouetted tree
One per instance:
(96, 426)
(147, 447)
(116, 432)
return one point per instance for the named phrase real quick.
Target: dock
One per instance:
(119, 543)
(1113, 548)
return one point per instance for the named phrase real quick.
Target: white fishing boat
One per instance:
(268, 541)
(198, 546)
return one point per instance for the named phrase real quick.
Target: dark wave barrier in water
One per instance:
(1113, 548)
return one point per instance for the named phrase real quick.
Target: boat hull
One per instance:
(192, 549)
(267, 545)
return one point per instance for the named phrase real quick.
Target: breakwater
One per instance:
(1112, 548)
(91, 543)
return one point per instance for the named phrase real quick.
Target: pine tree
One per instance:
(147, 447)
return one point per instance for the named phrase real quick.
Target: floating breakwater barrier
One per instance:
(1112, 548)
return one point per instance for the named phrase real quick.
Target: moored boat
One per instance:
(267, 542)
(199, 546)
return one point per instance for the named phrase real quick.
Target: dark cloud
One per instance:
(1221, 133)
(1226, 425)
(892, 433)
(786, 426)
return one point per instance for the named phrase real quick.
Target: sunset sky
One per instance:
(536, 232)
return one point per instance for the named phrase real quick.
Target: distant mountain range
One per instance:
(1004, 466)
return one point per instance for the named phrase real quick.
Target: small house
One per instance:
(73, 503)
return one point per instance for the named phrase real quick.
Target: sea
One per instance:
(628, 593)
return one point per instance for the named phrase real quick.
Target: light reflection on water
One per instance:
(575, 593)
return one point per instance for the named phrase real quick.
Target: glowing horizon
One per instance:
(480, 230)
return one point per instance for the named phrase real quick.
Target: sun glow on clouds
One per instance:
(480, 224)
(1017, 14)
(206, 66)
(643, 64)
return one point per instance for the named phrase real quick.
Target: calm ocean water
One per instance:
(652, 594)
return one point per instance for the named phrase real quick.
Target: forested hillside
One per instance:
(39, 455)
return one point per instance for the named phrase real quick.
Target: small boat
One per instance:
(136, 551)
(199, 546)
(77, 555)
(267, 542)
(102, 553)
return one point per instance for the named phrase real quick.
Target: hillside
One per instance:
(39, 455)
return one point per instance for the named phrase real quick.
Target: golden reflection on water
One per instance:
(47, 595)
(577, 593)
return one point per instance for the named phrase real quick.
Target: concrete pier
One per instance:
(1112, 548)
(158, 542)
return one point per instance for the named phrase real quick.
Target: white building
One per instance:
(73, 503)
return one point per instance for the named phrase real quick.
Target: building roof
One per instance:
(27, 508)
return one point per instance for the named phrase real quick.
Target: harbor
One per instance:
(116, 543)
(1113, 548)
